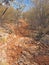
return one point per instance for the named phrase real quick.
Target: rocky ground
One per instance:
(17, 48)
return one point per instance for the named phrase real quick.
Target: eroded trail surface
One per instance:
(16, 49)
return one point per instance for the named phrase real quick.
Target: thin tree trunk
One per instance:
(4, 11)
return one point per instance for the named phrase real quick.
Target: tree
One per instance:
(9, 9)
(38, 17)
(42, 11)
(39, 13)
(20, 6)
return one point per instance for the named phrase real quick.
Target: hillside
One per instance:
(18, 43)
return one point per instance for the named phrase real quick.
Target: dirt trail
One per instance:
(18, 49)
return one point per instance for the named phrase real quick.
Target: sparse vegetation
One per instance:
(24, 35)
